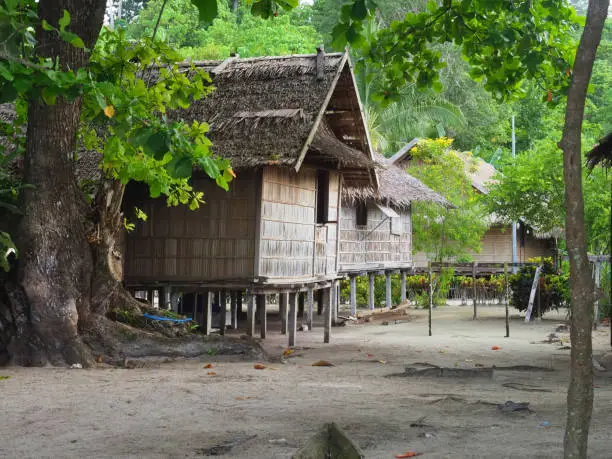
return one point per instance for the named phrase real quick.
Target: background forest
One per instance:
(460, 108)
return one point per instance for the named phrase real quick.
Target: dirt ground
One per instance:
(179, 409)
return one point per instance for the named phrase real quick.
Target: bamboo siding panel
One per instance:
(287, 232)
(215, 242)
(373, 245)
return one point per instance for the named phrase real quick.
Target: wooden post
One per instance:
(334, 300)
(234, 310)
(327, 306)
(292, 318)
(319, 302)
(353, 296)
(597, 284)
(388, 299)
(223, 317)
(239, 306)
(164, 300)
(196, 299)
(261, 306)
(507, 300)
(301, 297)
(309, 307)
(207, 313)
(538, 304)
(430, 295)
(474, 290)
(403, 286)
(282, 307)
(371, 297)
(251, 315)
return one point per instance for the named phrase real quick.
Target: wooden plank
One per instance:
(251, 315)
(327, 307)
(292, 318)
(261, 307)
(403, 286)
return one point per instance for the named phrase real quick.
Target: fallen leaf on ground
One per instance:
(211, 373)
(208, 365)
(382, 361)
(495, 348)
(288, 352)
(322, 363)
(442, 351)
(239, 398)
(2, 378)
(407, 454)
(259, 366)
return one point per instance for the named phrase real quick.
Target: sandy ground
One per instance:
(179, 410)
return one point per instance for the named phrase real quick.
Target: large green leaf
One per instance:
(208, 9)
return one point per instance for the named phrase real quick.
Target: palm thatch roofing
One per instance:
(286, 111)
(601, 154)
(395, 187)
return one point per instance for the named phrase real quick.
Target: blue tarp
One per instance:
(168, 319)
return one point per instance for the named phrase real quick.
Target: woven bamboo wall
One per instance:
(215, 242)
(288, 230)
(374, 244)
(496, 247)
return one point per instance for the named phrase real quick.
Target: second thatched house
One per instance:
(376, 227)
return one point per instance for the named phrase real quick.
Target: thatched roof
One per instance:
(601, 154)
(286, 110)
(396, 187)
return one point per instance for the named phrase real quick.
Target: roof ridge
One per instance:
(214, 62)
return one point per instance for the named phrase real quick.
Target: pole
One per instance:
(597, 283)
(430, 295)
(514, 250)
(506, 297)
(474, 290)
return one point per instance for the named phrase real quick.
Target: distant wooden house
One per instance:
(293, 129)
(496, 244)
(376, 227)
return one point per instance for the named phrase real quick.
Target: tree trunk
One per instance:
(56, 265)
(580, 393)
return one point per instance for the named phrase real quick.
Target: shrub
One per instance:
(554, 287)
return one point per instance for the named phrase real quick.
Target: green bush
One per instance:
(553, 286)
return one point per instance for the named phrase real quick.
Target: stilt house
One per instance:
(293, 129)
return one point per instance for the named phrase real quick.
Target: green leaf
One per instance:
(262, 8)
(209, 166)
(359, 10)
(222, 183)
(46, 26)
(157, 145)
(73, 39)
(64, 20)
(6, 73)
(208, 9)
(183, 168)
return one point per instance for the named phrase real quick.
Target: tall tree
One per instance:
(580, 393)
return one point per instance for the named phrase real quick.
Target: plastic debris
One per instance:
(544, 424)
(259, 366)
(76, 366)
(288, 352)
(407, 454)
(495, 348)
(208, 365)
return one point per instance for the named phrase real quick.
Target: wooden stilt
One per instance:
(388, 299)
(403, 287)
(327, 305)
(353, 296)
(282, 306)
(371, 291)
(300, 302)
(207, 322)
(310, 307)
(251, 315)
(234, 310)
(223, 317)
(319, 302)
(196, 299)
(292, 318)
(334, 299)
(239, 305)
(261, 306)
(597, 284)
